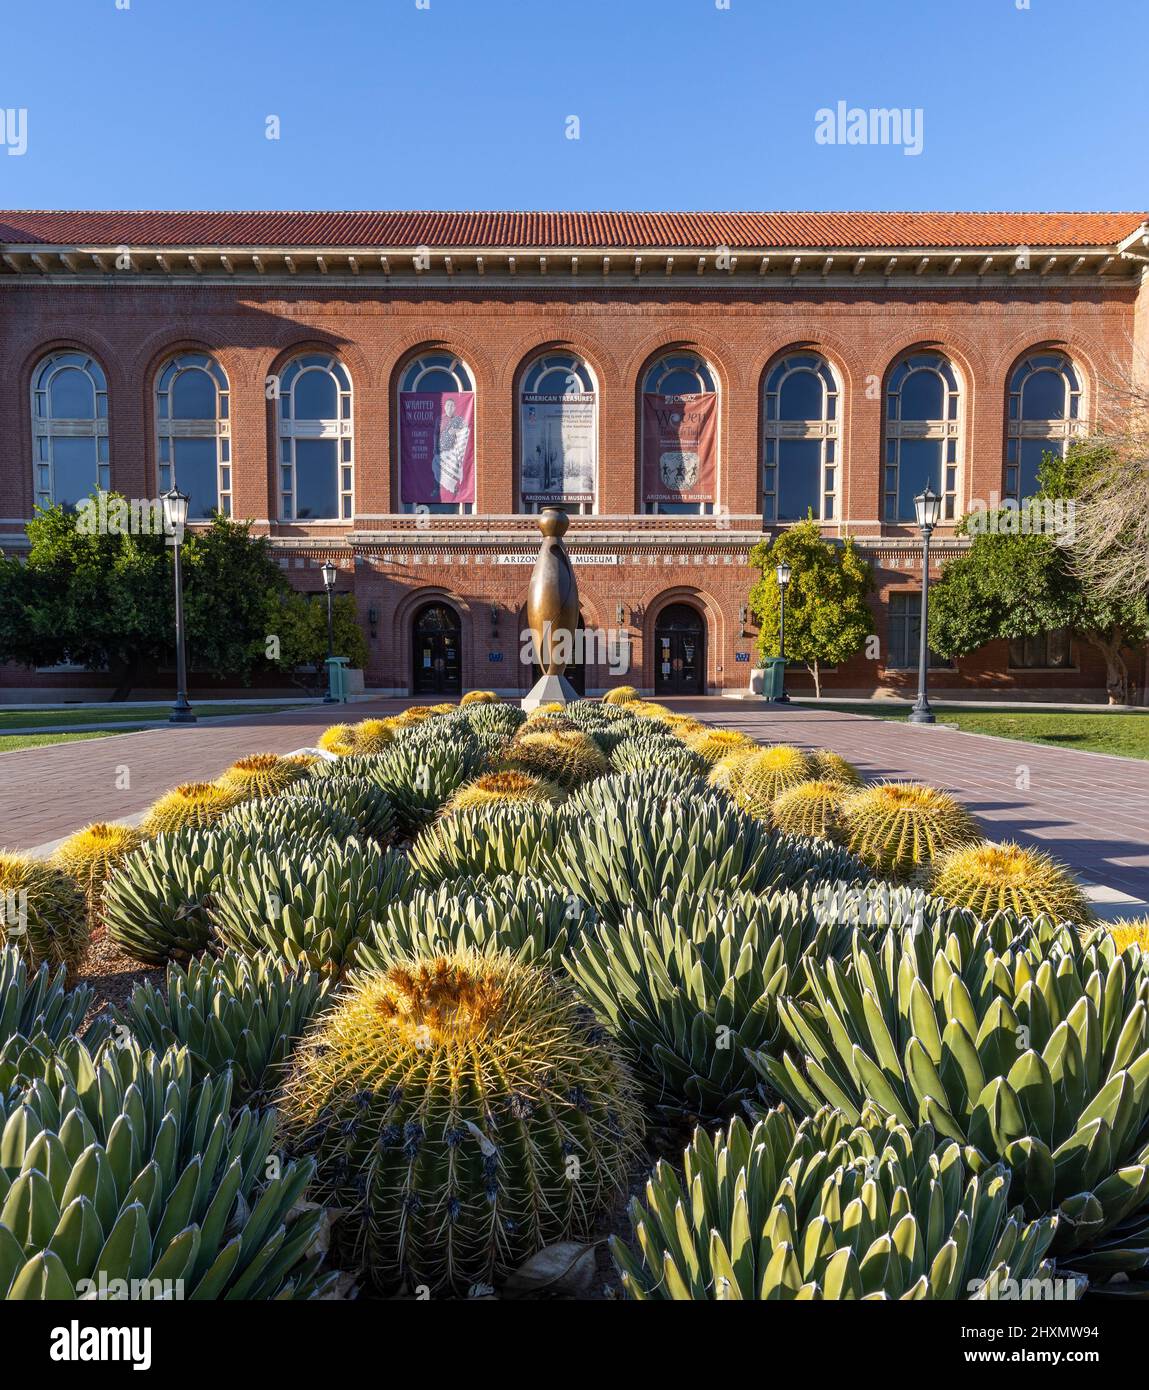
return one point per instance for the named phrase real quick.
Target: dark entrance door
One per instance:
(679, 651)
(435, 645)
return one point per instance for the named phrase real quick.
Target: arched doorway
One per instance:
(436, 644)
(576, 672)
(680, 651)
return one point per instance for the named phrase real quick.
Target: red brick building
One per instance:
(398, 392)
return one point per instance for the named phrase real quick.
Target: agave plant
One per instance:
(486, 841)
(289, 819)
(124, 1177)
(43, 913)
(899, 828)
(502, 789)
(811, 808)
(609, 797)
(156, 903)
(531, 919)
(1029, 1046)
(360, 800)
(262, 774)
(420, 775)
(37, 1004)
(690, 984)
(465, 1112)
(567, 759)
(310, 905)
(236, 1011)
(91, 854)
(830, 1209)
(190, 806)
(493, 719)
(638, 753)
(989, 878)
(640, 851)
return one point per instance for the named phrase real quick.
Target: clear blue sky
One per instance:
(681, 104)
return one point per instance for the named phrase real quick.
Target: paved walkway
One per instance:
(1089, 809)
(47, 792)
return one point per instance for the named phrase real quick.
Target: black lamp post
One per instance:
(329, 573)
(928, 508)
(782, 573)
(175, 519)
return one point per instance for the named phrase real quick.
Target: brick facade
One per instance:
(497, 319)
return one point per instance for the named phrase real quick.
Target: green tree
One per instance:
(827, 616)
(300, 624)
(1010, 584)
(102, 597)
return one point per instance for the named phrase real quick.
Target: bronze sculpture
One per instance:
(552, 613)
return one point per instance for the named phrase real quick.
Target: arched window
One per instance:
(316, 455)
(558, 434)
(194, 433)
(1044, 415)
(799, 440)
(679, 450)
(923, 434)
(437, 435)
(69, 429)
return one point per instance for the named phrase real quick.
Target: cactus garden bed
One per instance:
(599, 1002)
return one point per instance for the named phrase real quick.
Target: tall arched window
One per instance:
(799, 440)
(194, 433)
(558, 434)
(316, 454)
(923, 434)
(1044, 415)
(69, 429)
(679, 434)
(436, 414)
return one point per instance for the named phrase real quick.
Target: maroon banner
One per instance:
(679, 447)
(437, 446)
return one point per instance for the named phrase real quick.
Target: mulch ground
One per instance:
(111, 975)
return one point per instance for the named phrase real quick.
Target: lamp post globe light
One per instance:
(782, 574)
(928, 509)
(329, 572)
(175, 519)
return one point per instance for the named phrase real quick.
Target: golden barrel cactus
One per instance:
(501, 788)
(620, 695)
(900, 827)
(480, 697)
(42, 912)
(91, 854)
(566, 756)
(832, 767)
(812, 810)
(724, 773)
(337, 739)
(768, 773)
(713, 744)
(192, 805)
(989, 878)
(1128, 933)
(683, 724)
(371, 735)
(261, 774)
(467, 1112)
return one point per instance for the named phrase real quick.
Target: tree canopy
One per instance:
(827, 616)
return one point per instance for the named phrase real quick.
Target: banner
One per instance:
(558, 447)
(679, 447)
(437, 446)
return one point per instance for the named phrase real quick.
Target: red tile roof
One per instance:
(627, 230)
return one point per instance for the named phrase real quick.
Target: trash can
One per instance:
(337, 679)
(774, 682)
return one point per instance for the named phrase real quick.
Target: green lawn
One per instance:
(77, 714)
(1124, 734)
(10, 742)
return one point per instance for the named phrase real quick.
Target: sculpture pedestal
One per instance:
(550, 690)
